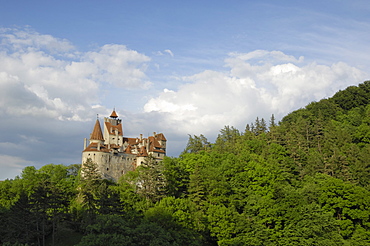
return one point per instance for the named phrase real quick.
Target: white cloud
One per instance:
(41, 85)
(27, 39)
(38, 77)
(169, 52)
(160, 53)
(119, 66)
(259, 83)
(264, 56)
(49, 92)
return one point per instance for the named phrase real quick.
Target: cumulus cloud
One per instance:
(259, 83)
(41, 75)
(119, 66)
(50, 91)
(27, 39)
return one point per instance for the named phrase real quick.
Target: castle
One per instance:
(115, 154)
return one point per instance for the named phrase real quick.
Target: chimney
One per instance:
(85, 140)
(154, 134)
(141, 137)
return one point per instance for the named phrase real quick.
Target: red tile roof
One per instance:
(128, 149)
(133, 141)
(159, 151)
(160, 136)
(97, 133)
(114, 114)
(142, 151)
(114, 146)
(154, 143)
(111, 128)
(94, 147)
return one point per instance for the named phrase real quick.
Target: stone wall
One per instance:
(111, 166)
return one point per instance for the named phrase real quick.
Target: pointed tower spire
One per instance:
(114, 114)
(97, 133)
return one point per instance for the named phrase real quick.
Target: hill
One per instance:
(302, 181)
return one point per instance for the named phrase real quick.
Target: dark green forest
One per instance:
(302, 181)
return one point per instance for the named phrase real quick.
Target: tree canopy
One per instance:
(302, 181)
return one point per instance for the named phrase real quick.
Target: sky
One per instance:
(177, 67)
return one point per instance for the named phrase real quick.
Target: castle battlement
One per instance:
(115, 154)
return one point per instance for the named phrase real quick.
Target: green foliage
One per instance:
(353, 96)
(304, 181)
(40, 203)
(151, 182)
(227, 139)
(177, 177)
(157, 229)
(196, 144)
(88, 196)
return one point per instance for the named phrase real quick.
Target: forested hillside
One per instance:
(302, 181)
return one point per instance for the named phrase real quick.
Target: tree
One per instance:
(227, 139)
(197, 188)
(89, 184)
(177, 177)
(20, 223)
(151, 180)
(260, 126)
(272, 121)
(196, 144)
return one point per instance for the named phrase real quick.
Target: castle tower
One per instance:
(115, 154)
(96, 145)
(113, 133)
(97, 135)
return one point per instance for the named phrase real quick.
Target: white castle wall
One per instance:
(111, 166)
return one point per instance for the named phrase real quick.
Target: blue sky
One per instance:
(177, 67)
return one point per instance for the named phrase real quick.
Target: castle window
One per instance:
(107, 169)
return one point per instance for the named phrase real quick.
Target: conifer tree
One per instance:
(90, 182)
(151, 181)
(196, 144)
